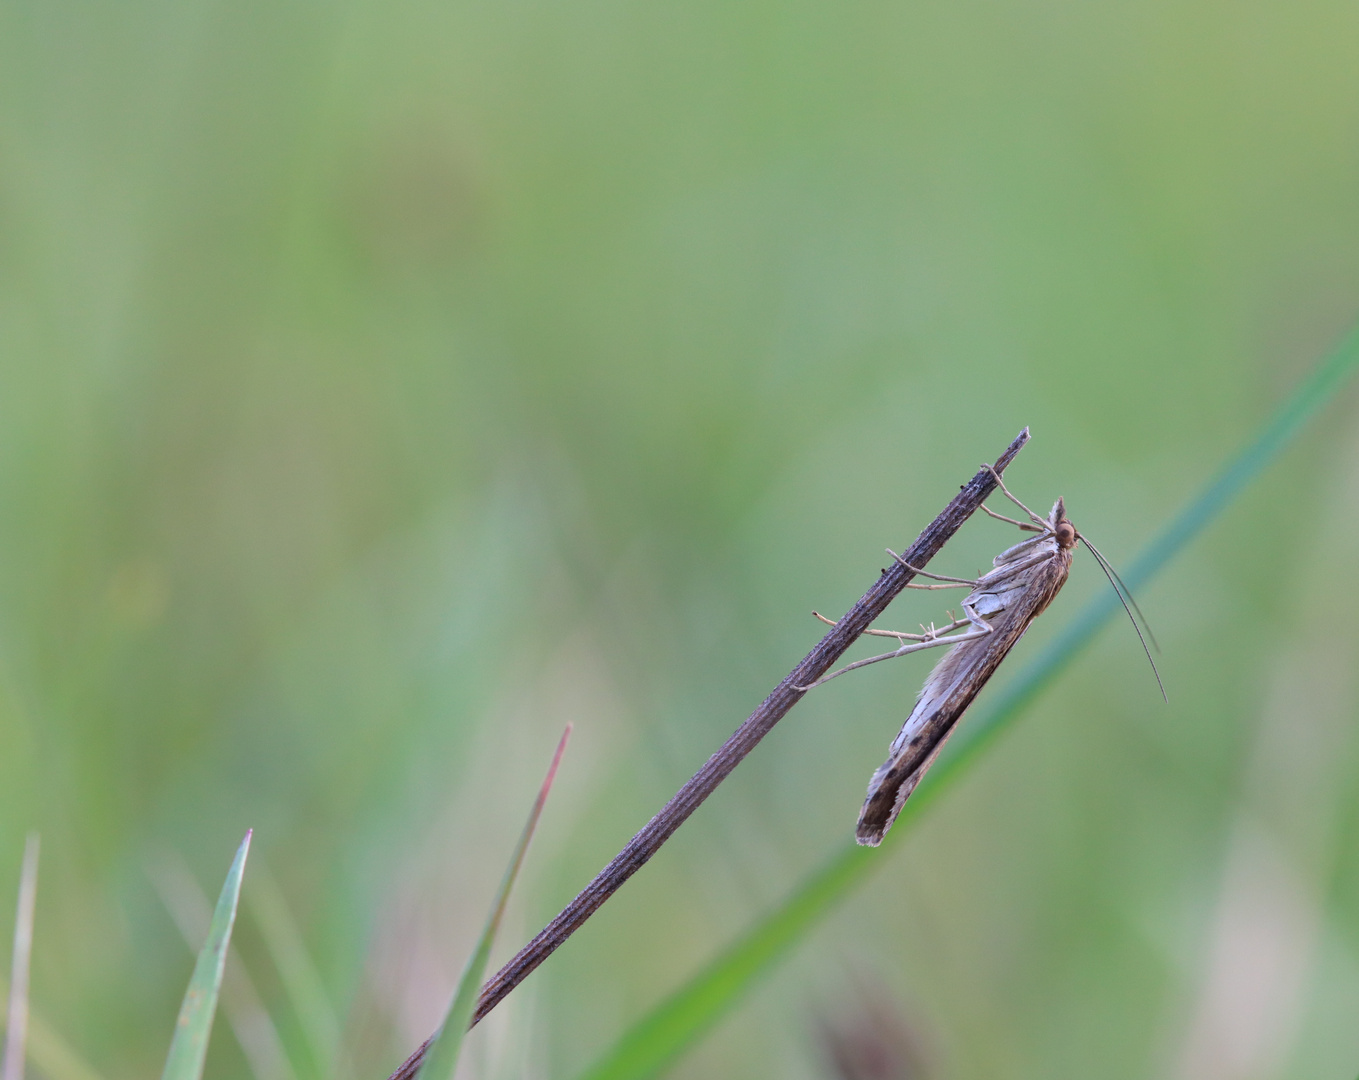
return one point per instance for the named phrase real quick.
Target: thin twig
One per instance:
(702, 784)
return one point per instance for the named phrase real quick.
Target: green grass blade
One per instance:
(16, 1029)
(660, 1037)
(442, 1058)
(189, 1047)
(240, 1002)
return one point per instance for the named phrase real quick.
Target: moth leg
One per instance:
(930, 637)
(927, 635)
(931, 641)
(1001, 517)
(983, 627)
(956, 581)
(1040, 521)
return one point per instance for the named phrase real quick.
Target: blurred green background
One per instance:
(384, 385)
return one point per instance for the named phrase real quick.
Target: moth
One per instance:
(998, 609)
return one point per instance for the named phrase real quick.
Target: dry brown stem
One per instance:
(717, 768)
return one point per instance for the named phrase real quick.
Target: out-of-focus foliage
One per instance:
(383, 386)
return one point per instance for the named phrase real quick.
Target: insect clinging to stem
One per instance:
(996, 612)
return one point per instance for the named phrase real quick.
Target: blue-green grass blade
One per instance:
(189, 1047)
(442, 1057)
(661, 1036)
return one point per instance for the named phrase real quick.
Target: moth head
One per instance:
(1062, 529)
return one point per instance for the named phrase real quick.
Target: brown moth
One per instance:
(997, 610)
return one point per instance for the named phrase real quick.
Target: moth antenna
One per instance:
(1108, 572)
(1126, 591)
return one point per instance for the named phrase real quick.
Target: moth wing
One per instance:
(1009, 597)
(877, 815)
(1019, 550)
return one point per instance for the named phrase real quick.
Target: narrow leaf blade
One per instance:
(239, 1002)
(189, 1047)
(670, 1029)
(16, 1030)
(442, 1057)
